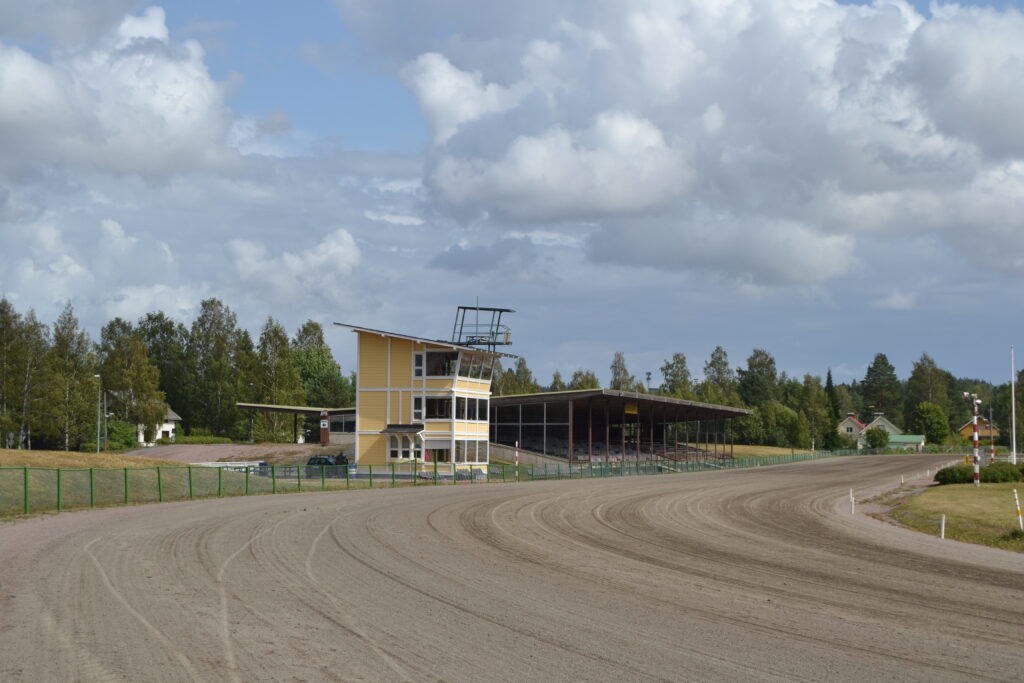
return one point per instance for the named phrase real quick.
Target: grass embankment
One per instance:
(744, 451)
(985, 515)
(88, 479)
(73, 459)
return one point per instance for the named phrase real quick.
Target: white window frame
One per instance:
(421, 357)
(417, 408)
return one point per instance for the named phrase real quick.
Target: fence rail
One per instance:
(28, 490)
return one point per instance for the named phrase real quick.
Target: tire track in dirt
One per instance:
(731, 575)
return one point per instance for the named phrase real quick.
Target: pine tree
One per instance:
(521, 380)
(758, 383)
(324, 384)
(882, 390)
(926, 384)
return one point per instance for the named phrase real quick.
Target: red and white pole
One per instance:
(977, 458)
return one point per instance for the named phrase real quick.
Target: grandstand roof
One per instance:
(694, 410)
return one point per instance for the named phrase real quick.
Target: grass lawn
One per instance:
(73, 459)
(984, 515)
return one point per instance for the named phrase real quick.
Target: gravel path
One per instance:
(743, 575)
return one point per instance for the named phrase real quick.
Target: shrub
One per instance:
(956, 474)
(1000, 472)
(991, 474)
(201, 439)
(877, 437)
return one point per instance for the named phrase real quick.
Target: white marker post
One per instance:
(851, 502)
(517, 461)
(942, 527)
(1020, 520)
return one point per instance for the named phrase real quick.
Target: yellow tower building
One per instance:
(420, 400)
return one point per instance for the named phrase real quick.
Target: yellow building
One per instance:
(420, 400)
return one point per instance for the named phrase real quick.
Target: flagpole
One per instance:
(1013, 409)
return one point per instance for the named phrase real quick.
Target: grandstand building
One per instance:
(429, 401)
(602, 425)
(420, 400)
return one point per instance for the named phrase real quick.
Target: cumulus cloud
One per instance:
(134, 101)
(799, 126)
(451, 97)
(967, 65)
(621, 164)
(317, 272)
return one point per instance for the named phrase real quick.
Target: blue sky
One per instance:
(822, 180)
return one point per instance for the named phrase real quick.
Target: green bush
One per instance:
(877, 438)
(991, 474)
(956, 474)
(201, 439)
(1000, 472)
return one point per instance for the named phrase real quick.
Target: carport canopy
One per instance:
(294, 411)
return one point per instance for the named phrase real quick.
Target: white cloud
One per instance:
(316, 273)
(451, 97)
(393, 218)
(897, 301)
(967, 65)
(622, 164)
(131, 102)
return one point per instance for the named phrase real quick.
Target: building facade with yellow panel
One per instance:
(420, 400)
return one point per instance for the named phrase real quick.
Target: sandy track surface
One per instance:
(744, 575)
(274, 453)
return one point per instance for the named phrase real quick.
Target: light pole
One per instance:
(991, 439)
(99, 407)
(1013, 409)
(975, 402)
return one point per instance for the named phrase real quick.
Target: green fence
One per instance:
(26, 490)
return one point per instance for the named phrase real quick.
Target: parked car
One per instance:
(332, 465)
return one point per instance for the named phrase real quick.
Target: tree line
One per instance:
(53, 378)
(803, 412)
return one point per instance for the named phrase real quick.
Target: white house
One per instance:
(882, 422)
(168, 429)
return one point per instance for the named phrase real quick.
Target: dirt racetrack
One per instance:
(758, 574)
